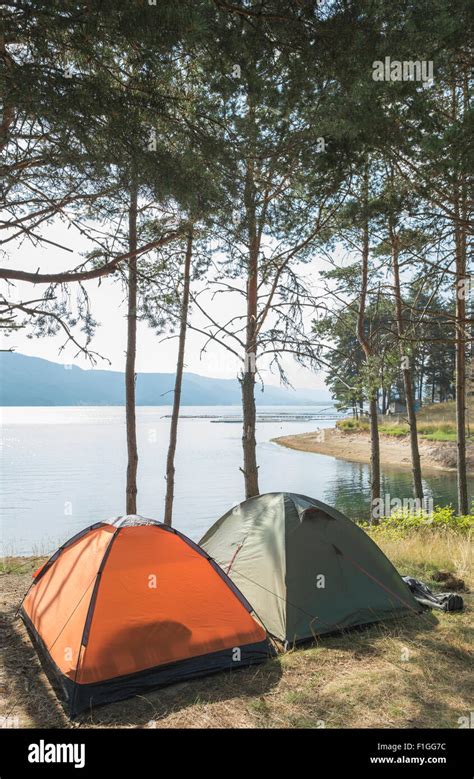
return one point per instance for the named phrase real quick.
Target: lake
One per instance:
(64, 468)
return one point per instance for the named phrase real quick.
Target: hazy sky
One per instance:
(108, 308)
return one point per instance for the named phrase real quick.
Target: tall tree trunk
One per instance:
(374, 454)
(367, 349)
(461, 282)
(8, 111)
(249, 442)
(406, 371)
(132, 450)
(247, 381)
(170, 469)
(461, 286)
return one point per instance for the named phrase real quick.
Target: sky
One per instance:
(154, 353)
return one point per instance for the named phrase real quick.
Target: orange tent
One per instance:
(129, 605)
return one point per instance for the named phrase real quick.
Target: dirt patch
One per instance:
(394, 451)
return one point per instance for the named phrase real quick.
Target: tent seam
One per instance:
(90, 614)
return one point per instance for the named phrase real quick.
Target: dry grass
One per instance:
(435, 422)
(423, 552)
(409, 673)
(16, 564)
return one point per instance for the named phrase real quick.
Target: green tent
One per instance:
(305, 568)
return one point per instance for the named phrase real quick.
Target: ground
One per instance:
(354, 445)
(414, 672)
(350, 439)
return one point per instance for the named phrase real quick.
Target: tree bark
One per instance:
(132, 450)
(374, 454)
(461, 283)
(8, 113)
(249, 442)
(170, 469)
(406, 371)
(367, 349)
(249, 413)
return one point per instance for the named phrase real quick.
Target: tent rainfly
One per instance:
(305, 567)
(129, 605)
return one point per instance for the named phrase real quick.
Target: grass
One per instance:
(413, 672)
(423, 552)
(21, 564)
(438, 435)
(399, 431)
(436, 422)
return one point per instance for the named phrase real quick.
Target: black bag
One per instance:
(444, 601)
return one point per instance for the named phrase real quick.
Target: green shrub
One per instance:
(352, 424)
(396, 430)
(405, 521)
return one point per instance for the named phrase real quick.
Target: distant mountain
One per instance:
(32, 381)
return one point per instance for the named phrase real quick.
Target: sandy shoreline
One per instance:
(394, 451)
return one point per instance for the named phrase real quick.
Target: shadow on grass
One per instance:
(359, 636)
(252, 683)
(147, 710)
(29, 696)
(31, 690)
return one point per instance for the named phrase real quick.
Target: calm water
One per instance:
(63, 468)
